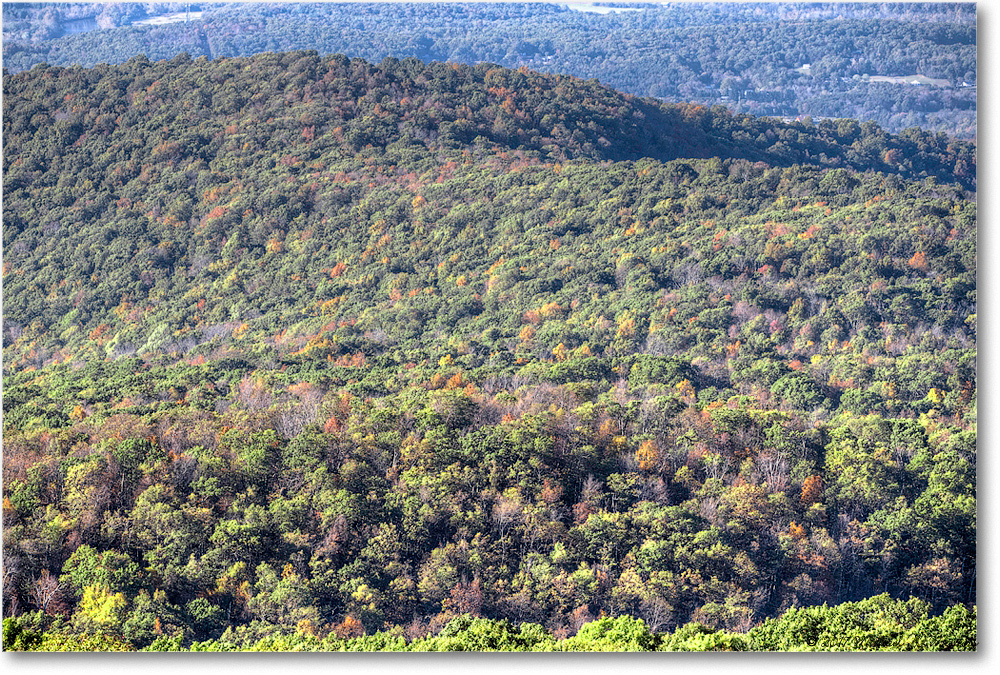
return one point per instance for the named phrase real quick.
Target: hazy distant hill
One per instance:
(786, 59)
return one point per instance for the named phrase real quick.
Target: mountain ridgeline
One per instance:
(308, 348)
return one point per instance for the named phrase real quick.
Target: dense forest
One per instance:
(781, 59)
(303, 352)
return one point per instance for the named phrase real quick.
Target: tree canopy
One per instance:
(306, 352)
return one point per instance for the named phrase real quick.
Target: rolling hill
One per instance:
(306, 345)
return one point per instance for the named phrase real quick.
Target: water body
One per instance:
(176, 17)
(597, 9)
(79, 26)
(73, 26)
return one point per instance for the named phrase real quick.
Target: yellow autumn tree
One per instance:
(648, 455)
(100, 609)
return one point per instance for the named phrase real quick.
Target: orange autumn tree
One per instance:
(812, 490)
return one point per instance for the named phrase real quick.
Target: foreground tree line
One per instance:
(310, 347)
(876, 624)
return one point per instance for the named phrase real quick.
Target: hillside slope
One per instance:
(309, 344)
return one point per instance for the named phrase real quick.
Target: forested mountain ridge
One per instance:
(308, 345)
(827, 60)
(561, 116)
